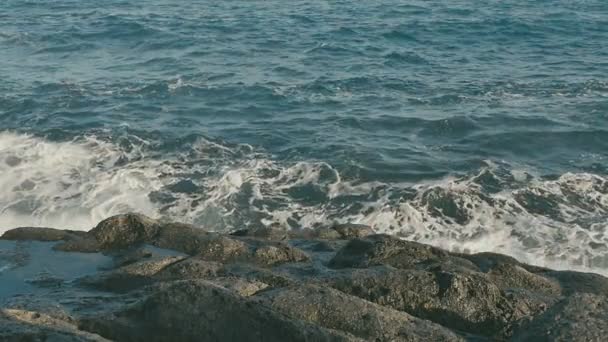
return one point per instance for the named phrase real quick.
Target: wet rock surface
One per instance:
(581, 317)
(176, 282)
(41, 234)
(19, 325)
(334, 309)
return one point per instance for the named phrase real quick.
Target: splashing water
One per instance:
(559, 222)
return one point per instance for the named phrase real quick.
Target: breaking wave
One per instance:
(556, 221)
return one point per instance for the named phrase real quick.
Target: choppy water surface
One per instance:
(472, 125)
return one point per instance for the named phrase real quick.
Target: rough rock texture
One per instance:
(124, 231)
(40, 234)
(263, 233)
(129, 277)
(191, 268)
(195, 309)
(465, 302)
(272, 255)
(171, 281)
(335, 310)
(581, 317)
(19, 325)
(387, 250)
(351, 231)
(510, 276)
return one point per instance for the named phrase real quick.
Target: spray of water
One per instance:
(558, 222)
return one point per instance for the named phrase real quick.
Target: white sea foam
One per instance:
(559, 223)
(68, 184)
(176, 84)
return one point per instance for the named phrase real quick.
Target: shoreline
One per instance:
(132, 278)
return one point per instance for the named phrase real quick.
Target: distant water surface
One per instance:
(471, 125)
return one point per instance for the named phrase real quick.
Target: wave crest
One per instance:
(559, 222)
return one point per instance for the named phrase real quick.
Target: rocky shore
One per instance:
(132, 278)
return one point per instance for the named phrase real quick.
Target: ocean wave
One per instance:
(559, 222)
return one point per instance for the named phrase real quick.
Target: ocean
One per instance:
(466, 124)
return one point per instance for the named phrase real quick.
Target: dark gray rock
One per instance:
(322, 233)
(196, 309)
(242, 287)
(578, 282)
(191, 268)
(486, 261)
(343, 283)
(467, 302)
(124, 231)
(226, 248)
(389, 250)
(581, 317)
(182, 237)
(278, 253)
(352, 231)
(345, 231)
(68, 240)
(128, 277)
(254, 272)
(222, 249)
(20, 325)
(40, 234)
(266, 233)
(335, 310)
(316, 245)
(511, 276)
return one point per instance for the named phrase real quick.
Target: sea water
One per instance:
(470, 125)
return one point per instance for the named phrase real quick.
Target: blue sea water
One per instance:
(471, 125)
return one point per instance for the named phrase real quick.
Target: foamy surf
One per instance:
(68, 184)
(559, 222)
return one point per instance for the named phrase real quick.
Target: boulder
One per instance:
(124, 231)
(389, 250)
(333, 309)
(190, 268)
(195, 309)
(467, 302)
(486, 261)
(253, 272)
(40, 234)
(226, 248)
(265, 233)
(580, 317)
(323, 233)
(183, 238)
(352, 230)
(579, 282)
(242, 287)
(21, 325)
(278, 253)
(344, 231)
(511, 276)
(172, 281)
(221, 248)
